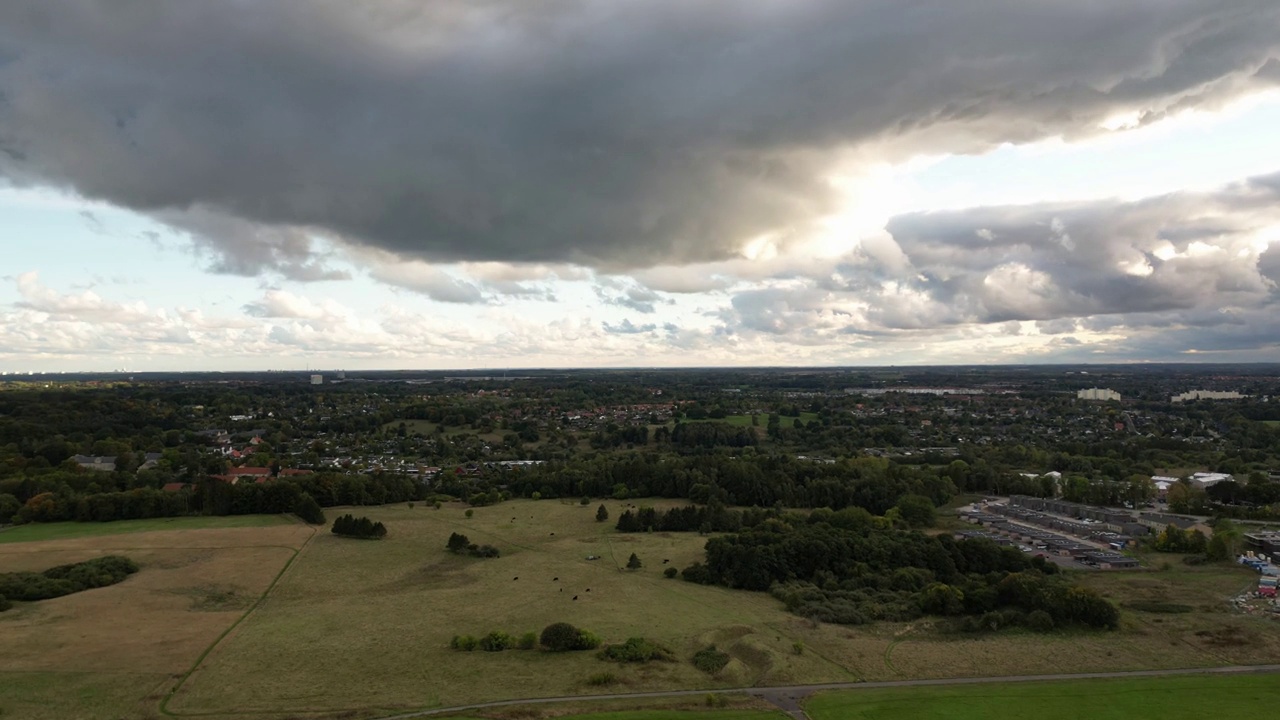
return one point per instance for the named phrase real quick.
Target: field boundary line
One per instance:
(164, 702)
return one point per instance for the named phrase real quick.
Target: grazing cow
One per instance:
(553, 533)
(555, 579)
(665, 561)
(516, 577)
(588, 589)
(575, 597)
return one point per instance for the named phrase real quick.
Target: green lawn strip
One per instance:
(1192, 697)
(37, 532)
(660, 715)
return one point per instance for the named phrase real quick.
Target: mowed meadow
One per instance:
(361, 628)
(367, 624)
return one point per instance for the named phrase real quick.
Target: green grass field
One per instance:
(1272, 423)
(71, 530)
(1168, 698)
(665, 715)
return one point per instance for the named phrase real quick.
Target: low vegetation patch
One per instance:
(1156, 606)
(65, 579)
(636, 650)
(602, 679)
(710, 660)
(359, 527)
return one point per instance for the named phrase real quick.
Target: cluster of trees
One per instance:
(459, 544)
(359, 527)
(64, 579)
(556, 637)
(714, 517)
(1174, 539)
(713, 434)
(846, 568)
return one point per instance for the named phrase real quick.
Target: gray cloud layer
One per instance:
(619, 133)
(1174, 273)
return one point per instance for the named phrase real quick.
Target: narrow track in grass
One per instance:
(164, 703)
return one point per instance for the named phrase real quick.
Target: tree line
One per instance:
(847, 568)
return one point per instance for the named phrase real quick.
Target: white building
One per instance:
(1205, 479)
(317, 379)
(1207, 395)
(1097, 394)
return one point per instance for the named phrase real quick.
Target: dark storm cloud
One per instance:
(624, 133)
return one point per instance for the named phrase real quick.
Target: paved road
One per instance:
(790, 695)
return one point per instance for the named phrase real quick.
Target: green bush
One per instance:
(528, 641)
(670, 572)
(496, 641)
(636, 650)
(563, 637)
(5, 603)
(710, 660)
(465, 643)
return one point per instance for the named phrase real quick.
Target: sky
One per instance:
(637, 183)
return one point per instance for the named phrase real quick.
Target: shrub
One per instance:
(496, 641)
(464, 642)
(716, 700)
(5, 603)
(528, 641)
(563, 637)
(1040, 621)
(710, 660)
(670, 572)
(470, 513)
(633, 562)
(636, 650)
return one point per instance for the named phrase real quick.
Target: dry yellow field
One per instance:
(112, 652)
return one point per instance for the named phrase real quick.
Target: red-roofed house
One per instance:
(294, 472)
(175, 486)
